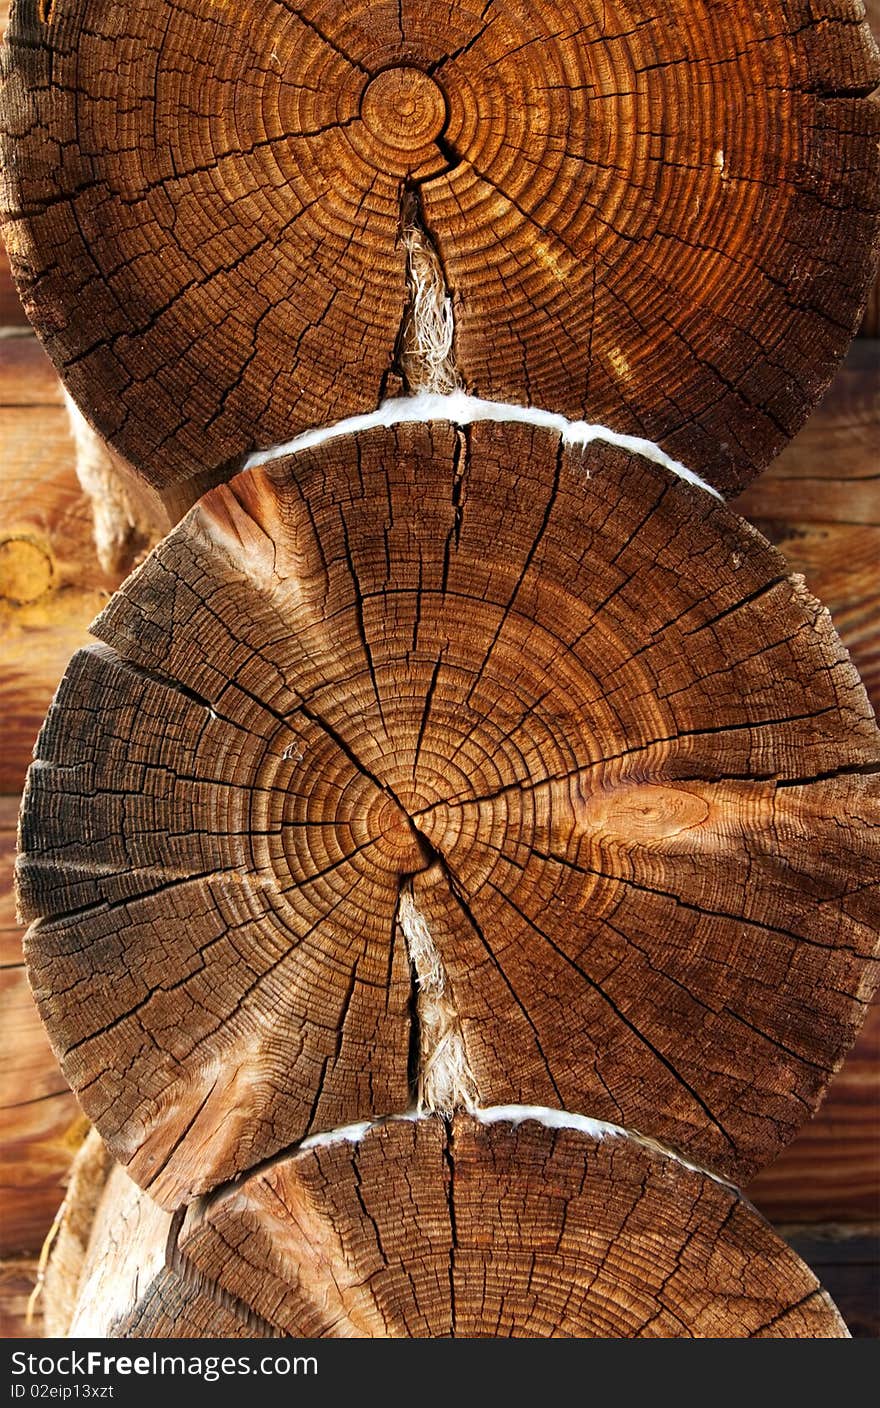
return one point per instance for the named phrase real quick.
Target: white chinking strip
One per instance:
(516, 1115)
(462, 409)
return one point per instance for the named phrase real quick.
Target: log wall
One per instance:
(820, 502)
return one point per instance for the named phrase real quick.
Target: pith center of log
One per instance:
(397, 837)
(404, 108)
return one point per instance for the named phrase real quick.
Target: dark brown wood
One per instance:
(416, 1229)
(660, 221)
(831, 1172)
(11, 311)
(871, 321)
(571, 708)
(829, 474)
(847, 1261)
(820, 504)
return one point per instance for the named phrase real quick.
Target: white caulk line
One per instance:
(516, 1115)
(461, 409)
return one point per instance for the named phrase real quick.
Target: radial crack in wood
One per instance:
(488, 1230)
(661, 219)
(622, 758)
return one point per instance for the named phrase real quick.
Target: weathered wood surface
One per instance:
(871, 322)
(131, 1285)
(40, 1124)
(65, 1253)
(319, 704)
(672, 235)
(826, 474)
(820, 504)
(503, 1228)
(831, 1169)
(830, 472)
(11, 311)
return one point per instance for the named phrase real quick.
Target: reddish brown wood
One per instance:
(671, 232)
(831, 1172)
(820, 504)
(51, 584)
(829, 474)
(17, 1279)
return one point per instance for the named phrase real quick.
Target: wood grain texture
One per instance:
(11, 311)
(831, 1172)
(129, 1286)
(661, 221)
(617, 753)
(871, 321)
(820, 504)
(420, 1229)
(847, 1261)
(18, 1277)
(51, 584)
(425, 1229)
(64, 1251)
(40, 1125)
(829, 474)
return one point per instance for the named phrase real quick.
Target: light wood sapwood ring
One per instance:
(567, 710)
(428, 1230)
(658, 219)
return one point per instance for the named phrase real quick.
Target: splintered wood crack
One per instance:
(425, 354)
(443, 1078)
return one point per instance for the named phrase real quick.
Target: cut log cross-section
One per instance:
(504, 1227)
(660, 219)
(446, 778)
(453, 763)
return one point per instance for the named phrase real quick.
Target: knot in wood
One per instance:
(404, 109)
(25, 570)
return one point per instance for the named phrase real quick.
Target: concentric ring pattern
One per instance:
(656, 217)
(577, 710)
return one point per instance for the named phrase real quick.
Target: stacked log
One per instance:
(455, 869)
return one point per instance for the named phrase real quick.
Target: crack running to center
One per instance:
(424, 355)
(443, 1079)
